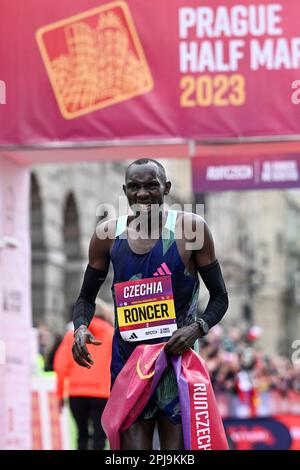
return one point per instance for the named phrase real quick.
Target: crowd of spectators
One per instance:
(239, 367)
(237, 363)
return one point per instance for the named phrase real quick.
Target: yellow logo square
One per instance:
(94, 59)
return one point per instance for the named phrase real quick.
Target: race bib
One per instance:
(145, 308)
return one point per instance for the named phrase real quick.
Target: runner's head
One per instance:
(146, 184)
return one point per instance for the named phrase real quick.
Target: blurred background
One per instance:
(215, 101)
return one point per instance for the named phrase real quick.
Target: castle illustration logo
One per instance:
(94, 59)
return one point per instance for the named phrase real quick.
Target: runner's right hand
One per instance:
(81, 355)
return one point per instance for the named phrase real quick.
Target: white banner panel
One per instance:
(15, 309)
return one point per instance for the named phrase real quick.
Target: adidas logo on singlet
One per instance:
(163, 270)
(133, 336)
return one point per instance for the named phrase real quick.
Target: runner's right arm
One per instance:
(84, 308)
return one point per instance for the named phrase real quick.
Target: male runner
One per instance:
(155, 263)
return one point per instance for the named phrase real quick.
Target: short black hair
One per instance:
(143, 161)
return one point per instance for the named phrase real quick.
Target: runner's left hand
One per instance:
(182, 339)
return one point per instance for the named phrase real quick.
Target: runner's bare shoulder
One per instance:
(103, 238)
(190, 220)
(106, 230)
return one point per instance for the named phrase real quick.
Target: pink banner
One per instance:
(238, 173)
(15, 313)
(92, 70)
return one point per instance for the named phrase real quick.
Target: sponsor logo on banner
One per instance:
(145, 370)
(12, 301)
(200, 419)
(145, 308)
(246, 172)
(97, 60)
(258, 434)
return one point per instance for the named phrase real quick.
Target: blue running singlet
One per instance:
(162, 259)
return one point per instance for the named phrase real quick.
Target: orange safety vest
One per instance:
(74, 380)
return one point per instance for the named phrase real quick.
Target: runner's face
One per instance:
(144, 187)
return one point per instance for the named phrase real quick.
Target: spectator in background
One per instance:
(50, 354)
(45, 338)
(87, 389)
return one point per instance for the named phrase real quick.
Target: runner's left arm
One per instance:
(209, 269)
